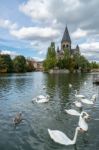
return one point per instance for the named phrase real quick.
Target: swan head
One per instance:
(93, 98)
(47, 96)
(85, 115)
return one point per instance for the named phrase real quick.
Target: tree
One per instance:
(50, 61)
(94, 65)
(6, 65)
(19, 64)
(29, 66)
(84, 63)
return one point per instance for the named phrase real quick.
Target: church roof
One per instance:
(66, 36)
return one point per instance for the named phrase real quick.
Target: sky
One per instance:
(27, 27)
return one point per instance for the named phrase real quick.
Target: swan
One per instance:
(42, 99)
(78, 104)
(72, 112)
(93, 97)
(70, 85)
(87, 101)
(82, 123)
(17, 118)
(82, 117)
(59, 137)
(44, 87)
(76, 113)
(40, 96)
(78, 95)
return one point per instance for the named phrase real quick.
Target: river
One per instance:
(16, 94)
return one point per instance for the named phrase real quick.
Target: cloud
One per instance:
(48, 19)
(7, 24)
(92, 46)
(11, 53)
(90, 50)
(79, 33)
(38, 58)
(37, 10)
(31, 33)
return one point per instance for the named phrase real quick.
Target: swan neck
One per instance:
(76, 92)
(75, 136)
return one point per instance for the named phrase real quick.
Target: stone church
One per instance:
(66, 43)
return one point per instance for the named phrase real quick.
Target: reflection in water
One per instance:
(16, 94)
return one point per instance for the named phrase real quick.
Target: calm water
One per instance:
(16, 94)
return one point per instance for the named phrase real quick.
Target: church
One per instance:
(66, 43)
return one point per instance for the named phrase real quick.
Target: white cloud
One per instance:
(36, 9)
(7, 24)
(90, 50)
(11, 53)
(92, 46)
(38, 58)
(31, 33)
(79, 33)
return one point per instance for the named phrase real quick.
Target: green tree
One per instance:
(19, 64)
(94, 65)
(6, 65)
(50, 61)
(29, 66)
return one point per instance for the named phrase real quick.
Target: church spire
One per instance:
(66, 36)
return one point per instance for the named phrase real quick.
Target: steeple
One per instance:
(66, 41)
(66, 36)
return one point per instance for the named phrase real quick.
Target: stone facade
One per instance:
(66, 43)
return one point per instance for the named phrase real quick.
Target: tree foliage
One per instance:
(66, 61)
(6, 64)
(50, 61)
(29, 66)
(19, 64)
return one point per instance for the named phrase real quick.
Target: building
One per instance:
(66, 43)
(38, 65)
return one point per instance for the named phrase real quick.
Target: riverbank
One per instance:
(62, 71)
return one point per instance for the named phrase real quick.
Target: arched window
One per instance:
(63, 46)
(67, 45)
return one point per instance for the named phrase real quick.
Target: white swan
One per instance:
(78, 104)
(44, 87)
(42, 99)
(75, 112)
(40, 96)
(82, 117)
(72, 112)
(59, 137)
(82, 123)
(78, 95)
(70, 85)
(87, 101)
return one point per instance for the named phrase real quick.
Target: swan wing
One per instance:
(41, 96)
(59, 137)
(80, 96)
(82, 124)
(72, 112)
(44, 100)
(86, 101)
(78, 104)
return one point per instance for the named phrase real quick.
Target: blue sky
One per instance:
(27, 27)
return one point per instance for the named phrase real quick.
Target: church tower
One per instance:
(66, 41)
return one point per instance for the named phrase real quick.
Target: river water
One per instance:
(16, 94)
